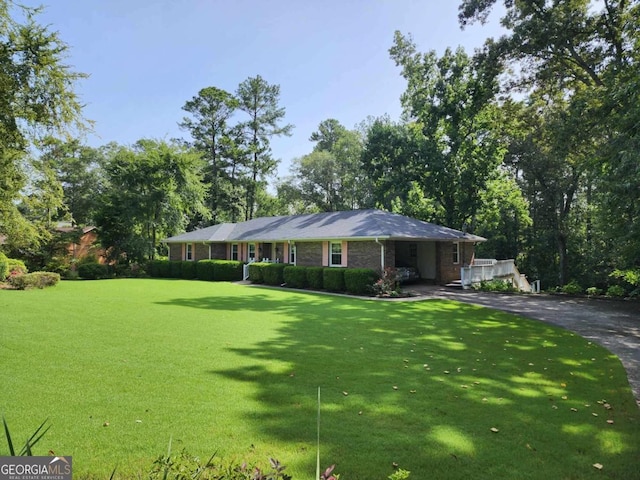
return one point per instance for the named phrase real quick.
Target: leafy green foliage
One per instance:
(160, 268)
(616, 291)
(594, 291)
(572, 288)
(315, 277)
(188, 270)
(175, 269)
(359, 281)
(34, 280)
(333, 279)
(273, 273)
(256, 272)
(227, 270)
(92, 271)
(205, 270)
(4, 266)
(496, 285)
(153, 187)
(295, 276)
(388, 285)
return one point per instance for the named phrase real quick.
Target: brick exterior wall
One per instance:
(363, 255)
(201, 251)
(218, 251)
(448, 271)
(175, 251)
(309, 254)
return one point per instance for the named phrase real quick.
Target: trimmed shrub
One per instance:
(92, 271)
(16, 266)
(227, 270)
(188, 270)
(359, 281)
(333, 279)
(4, 267)
(495, 285)
(594, 291)
(160, 268)
(175, 269)
(256, 272)
(205, 270)
(273, 273)
(295, 277)
(34, 280)
(616, 291)
(315, 278)
(572, 288)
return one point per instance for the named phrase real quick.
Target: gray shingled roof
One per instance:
(354, 224)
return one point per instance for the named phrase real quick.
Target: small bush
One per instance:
(315, 278)
(160, 269)
(594, 291)
(16, 266)
(616, 291)
(256, 272)
(333, 279)
(227, 271)
(359, 281)
(273, 273)
(572, 288)
(188, 270)
(92, 271)
(175, 269)
(388, 285)
(295, 277)
(34, 280)
(205, 270)
(495, 285)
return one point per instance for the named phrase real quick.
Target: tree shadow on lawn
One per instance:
(422, 385)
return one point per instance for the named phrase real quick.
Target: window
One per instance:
(189, 252)
(413, 250)
(456, 253)
(252, 251)
(335, 254)
(234, 251)
(292, 254)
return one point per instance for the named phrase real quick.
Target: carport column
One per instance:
(381, 254)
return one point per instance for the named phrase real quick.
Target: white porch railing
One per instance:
(245, 269)
(490, 269)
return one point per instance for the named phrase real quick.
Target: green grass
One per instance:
(235, 369)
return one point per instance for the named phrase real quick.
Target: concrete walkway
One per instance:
(613, 324)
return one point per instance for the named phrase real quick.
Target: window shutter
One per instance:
(325, 254)
(344, 261)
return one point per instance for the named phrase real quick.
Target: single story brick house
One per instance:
(349, 239)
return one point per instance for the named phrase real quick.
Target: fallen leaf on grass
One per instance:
(598, 466)
(345, 393)
(594, 414)
(610, 422)
(494, 430)
(412, 391)
(574, 409)
(395, 387)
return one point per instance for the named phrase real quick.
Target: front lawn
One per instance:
(121, 366)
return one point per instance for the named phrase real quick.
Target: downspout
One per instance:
(381, 254)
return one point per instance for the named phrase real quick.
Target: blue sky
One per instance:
(146, 58)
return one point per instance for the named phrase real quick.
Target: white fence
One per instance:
(483, 269)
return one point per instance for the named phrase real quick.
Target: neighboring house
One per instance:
(353, 239)
(87, 242)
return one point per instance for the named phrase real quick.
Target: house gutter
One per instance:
(381, 254)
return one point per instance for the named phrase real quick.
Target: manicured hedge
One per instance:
(188, 270)
(273, 273)
(333, 279)
(315, 278)
(35, 280)
(175, 269)
(227, 270)
(256, 272)
(160, 268)
(205, 270)
(92, 271)
(359, 281)
(295, 277)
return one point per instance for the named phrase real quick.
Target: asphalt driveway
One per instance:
(613, 324)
